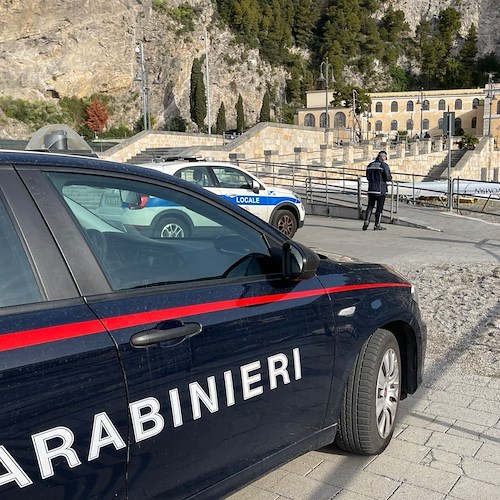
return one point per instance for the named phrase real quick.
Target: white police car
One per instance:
(278, 206)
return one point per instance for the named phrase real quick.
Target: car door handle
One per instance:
(163, 332)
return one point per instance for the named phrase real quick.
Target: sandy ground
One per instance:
(461, 306)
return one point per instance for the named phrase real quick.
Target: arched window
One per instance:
(425, 124)
(409, 124)
(409, 106)
(339, 120)
(440, 124)
(458, 104)
(394, 125)
(475, 103)
(473, 123)
(309, 120)
(458, 125)
(378, 126)
(394, 107)
(378, 107)
(425, 105)
(322, 121)
(442, 105)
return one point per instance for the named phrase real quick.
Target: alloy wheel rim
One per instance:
(387, 395)
(172, 231)
(285, 226)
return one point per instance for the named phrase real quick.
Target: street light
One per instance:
(421, 100)
(329, 78)
(490, 94)
(354, 95)
(142, 77)
(207, 82)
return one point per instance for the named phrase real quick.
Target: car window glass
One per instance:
(17, 281)
(196, 175)
(229, 177)
(146, 235)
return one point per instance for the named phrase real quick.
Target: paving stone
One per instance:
(467, 430)
(480, 470)
(410, 492)
(361, 482)
(486, 392)
(417, 435)
(454, 444)
(414, 404)
(489, 453)
(299, 488)
(467, 489)
(487, 405)
(252, 493)
(445, 456)
(450, 398)
(351, 495)
(465, 414)
(492, 435)
(406, 450)
(415, 474)
(269, 480)
(303, 464)
(417, 418)
(344, 461)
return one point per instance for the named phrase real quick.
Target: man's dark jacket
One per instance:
(378, 175)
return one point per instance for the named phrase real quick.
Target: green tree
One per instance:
(467, 57)
(265, 110)
(449, 23)
(197, 97)
(220, 126)
(240, 115)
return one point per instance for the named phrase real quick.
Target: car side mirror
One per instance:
(130, 197)
(299, 262)
(255, 186)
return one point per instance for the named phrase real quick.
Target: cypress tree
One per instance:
(240, 115)
(220, 126)
(265, 110)
(197, 98)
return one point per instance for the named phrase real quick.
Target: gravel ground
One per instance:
(461, 306)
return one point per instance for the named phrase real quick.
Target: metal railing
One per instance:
(347, 186)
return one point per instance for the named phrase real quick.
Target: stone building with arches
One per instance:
(414, 113)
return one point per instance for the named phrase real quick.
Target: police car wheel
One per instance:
(371, 396)
(171, 227)
(286, 223)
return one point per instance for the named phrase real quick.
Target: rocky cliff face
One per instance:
(57, 48)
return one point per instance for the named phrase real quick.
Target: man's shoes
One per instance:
(378, 227)
(365, 225)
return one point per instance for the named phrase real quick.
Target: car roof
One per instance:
(43, 159)
(174, 165)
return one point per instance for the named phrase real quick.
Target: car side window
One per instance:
(146, 235)
(18, 284)
(232, 178)
(196, 175)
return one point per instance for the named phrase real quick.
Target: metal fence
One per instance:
(343, 186)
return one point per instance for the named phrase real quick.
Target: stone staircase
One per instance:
(154, 154)
(437, 171)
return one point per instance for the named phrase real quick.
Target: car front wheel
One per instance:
(371, 396)
(285, 222)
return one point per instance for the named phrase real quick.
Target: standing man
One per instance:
(378, 175)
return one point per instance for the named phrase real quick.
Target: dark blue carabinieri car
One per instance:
(139, 366)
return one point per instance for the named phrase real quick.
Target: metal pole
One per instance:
(144, 88)
(207, 77)
(449, 161)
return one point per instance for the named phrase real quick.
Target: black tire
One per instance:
(171, 227)
(371, 397)
(285, 222)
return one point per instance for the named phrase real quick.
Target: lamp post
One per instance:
(142, 77)
(421, 101)
(490, 94)
(354, 95)
(207, 81)
(329, 78)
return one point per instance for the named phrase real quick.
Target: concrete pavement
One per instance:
(447, 440)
